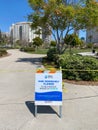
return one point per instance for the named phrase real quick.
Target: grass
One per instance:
(39, 51)
(75, 50)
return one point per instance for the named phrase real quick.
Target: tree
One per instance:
(53, 44)
(37, 41)
(4, 39)
(0, 37)
(73, 40)
(63, 18)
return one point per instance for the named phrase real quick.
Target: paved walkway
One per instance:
(17, 71)
(89, 54)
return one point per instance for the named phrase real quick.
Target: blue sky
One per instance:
(82, 34)
(12, 11)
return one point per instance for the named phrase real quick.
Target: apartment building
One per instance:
(22, 31)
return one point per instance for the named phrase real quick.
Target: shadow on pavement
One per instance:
(36, 61)
(40, 109)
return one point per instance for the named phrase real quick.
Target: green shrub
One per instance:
(3, 52)
(76, 65)
(95, 45)
(53, 43)
(89, 45)
(52, 54)
(37, 41)
(27, 49)
(73, 40)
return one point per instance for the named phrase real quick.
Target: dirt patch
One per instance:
(93, 83)
(87, 83)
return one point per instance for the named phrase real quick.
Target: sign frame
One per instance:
(48, 89)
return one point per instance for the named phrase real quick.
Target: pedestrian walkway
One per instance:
(89, 54)
(17, 77)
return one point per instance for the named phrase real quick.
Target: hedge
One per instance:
(76, 65)
(27, 49)
(3, 52)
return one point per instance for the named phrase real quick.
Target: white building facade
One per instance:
(22, 31)
(92, 35)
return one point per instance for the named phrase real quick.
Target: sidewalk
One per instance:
(79, 109)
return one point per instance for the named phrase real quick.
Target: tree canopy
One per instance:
(37, 41)
(73, 40)
(60, 18)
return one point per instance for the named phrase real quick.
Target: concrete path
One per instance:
(89, 54)
(17, 71)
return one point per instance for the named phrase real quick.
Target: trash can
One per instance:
(93, 51)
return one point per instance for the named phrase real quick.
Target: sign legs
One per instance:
(35, 110)
(60, 111)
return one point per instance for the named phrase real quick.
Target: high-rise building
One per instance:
(92, 35)
(22, 31)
